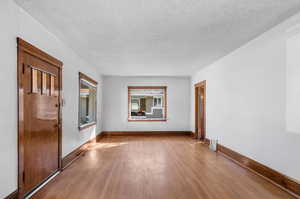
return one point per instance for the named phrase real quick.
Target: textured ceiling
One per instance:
(157, 37)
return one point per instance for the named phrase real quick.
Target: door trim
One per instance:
(23, 46)
(197, 86)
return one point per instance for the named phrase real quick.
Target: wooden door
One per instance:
(200, 114)
(200, 110)
(40, 130)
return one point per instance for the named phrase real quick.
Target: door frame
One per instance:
(25, 47)
(197, 86)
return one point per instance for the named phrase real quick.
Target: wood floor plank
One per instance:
(167, 167)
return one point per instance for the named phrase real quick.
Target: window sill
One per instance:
(130, 120)
(87, 126)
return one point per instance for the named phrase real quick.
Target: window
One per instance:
(157, 102)
(147, 103)
(43, 82)
(87, 101)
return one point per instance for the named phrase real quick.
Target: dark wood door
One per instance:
(201, 113)
(200, 110)
(41, 121)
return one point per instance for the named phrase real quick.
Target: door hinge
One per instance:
(23, 176)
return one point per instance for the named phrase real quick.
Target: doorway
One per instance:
(200, 110)
(39, 117)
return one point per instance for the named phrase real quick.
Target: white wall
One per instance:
(115, 103)
(293, 80)
(246, 99)
(17, 23)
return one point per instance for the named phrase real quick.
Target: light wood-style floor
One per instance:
(158, 167)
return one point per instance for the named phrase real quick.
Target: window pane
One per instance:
(52, 86)
(88, 109)
(45, 84)
(159, 103)
(146, 104)
(135, 104)
(35, 81)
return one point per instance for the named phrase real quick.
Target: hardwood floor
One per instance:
(158, 167)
